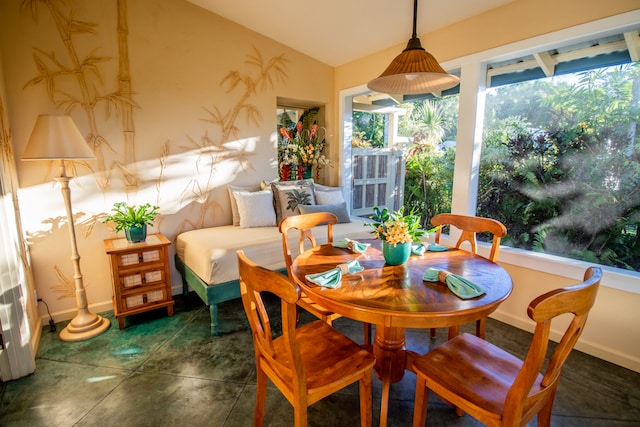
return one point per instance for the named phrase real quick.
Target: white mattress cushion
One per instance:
(211, 252)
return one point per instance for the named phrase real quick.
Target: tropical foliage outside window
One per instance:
(560, 165)
(432, 125)
(368, 130)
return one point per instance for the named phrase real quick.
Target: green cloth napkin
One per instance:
(420, 248)
(331, 278)
(352, 245)
(460, 286)
(433, 247)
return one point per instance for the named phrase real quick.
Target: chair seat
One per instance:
(327, 367)
(475, 369)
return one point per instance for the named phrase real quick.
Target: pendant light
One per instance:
(414, 71)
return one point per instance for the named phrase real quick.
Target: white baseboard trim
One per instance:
(628, 361)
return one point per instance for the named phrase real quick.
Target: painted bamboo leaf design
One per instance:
(124, 83)
(275, 68)
(210, 153)
(84, 71)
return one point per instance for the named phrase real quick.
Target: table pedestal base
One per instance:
(389, 351)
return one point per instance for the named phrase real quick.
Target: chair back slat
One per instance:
(304, 223)
(470, 226)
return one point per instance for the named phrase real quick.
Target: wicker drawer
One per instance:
(139, 257)
(144, 298)
(152, 277)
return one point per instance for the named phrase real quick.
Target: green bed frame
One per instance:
(211, 295)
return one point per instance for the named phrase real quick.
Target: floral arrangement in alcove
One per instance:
(300, 151)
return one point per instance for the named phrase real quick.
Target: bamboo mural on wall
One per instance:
(76, 82)
(83, 73)
(51, 70)
(266, 71)
(68, 69)
(128, 167)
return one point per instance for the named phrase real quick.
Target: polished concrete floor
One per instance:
(166, 371)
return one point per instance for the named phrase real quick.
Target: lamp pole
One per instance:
(85, 324)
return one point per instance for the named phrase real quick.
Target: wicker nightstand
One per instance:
(140, 275)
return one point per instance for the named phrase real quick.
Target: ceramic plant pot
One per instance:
(396, 255)
(136, 234)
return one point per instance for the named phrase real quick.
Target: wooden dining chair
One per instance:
(492, 385)
(306, 363)
(470, 226)
(304, 223)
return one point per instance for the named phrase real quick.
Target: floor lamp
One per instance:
(56, 137)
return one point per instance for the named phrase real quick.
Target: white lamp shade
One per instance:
(56, 137)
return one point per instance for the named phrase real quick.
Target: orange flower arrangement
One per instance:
(395, 227)
(302, 147)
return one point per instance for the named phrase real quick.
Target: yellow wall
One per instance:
(191, 131)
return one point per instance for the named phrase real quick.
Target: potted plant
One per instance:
(397, 232)
(132, 219)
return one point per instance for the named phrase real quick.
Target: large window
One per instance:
(560, 165)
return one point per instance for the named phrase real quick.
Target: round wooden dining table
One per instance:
(394, 298)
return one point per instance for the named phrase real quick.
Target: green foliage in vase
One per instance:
(124, 216)
(396, 227)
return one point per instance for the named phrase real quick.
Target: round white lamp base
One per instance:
(84, 327)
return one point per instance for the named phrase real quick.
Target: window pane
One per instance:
(560, 165)
(431, 125)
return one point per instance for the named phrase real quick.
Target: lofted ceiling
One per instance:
(339, 31)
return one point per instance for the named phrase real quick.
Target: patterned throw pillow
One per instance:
(287, 195)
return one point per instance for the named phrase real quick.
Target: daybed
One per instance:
(206, 258)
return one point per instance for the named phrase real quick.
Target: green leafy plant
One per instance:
(124, 216)
(396, 227)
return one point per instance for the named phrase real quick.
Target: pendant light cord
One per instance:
(414, 42)
(415, 18)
